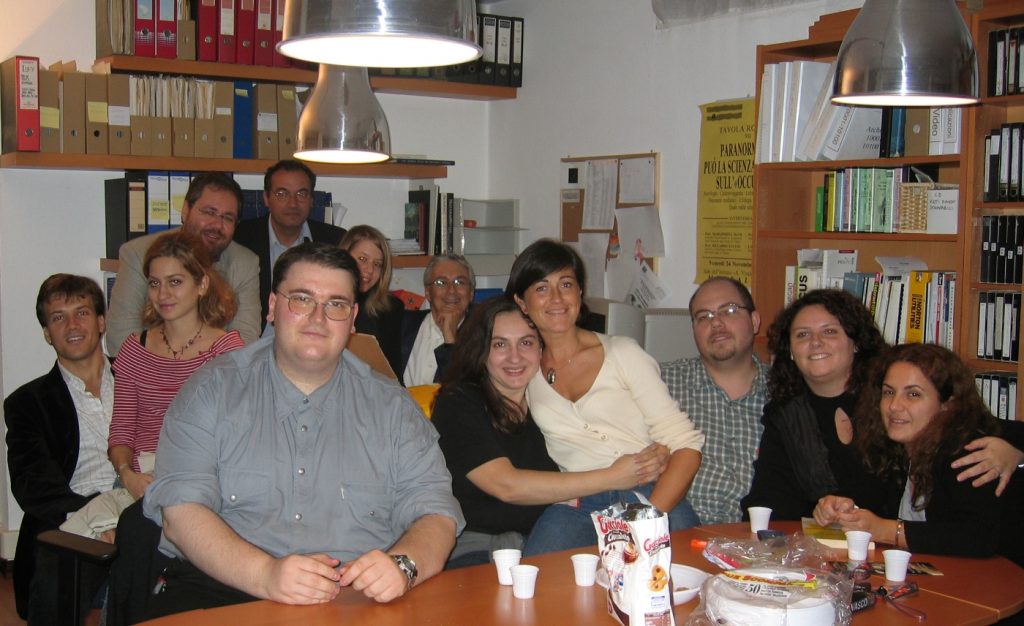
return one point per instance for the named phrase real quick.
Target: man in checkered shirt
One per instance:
(723, 391)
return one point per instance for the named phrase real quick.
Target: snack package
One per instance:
(636, 553)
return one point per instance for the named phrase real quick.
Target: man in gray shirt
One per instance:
(210, 212)
(723, 391)
(286, 459)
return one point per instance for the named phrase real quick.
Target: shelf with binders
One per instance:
(789, 214)
(380, 84)
(995, 237)
(51, 160)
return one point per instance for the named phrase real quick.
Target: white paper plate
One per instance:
(686, 581)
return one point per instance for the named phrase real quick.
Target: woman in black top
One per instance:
(822, 346)
(914, 418)
(501, 472)
(380, 313)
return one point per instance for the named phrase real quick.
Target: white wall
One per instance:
(598, 79)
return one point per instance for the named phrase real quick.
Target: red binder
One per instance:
(167, 29)
(245, 31)
(19, 97)
(264, 54)
(226, 31)
(206, 35)
(280, 60)
(145, 28)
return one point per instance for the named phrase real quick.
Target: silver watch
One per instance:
(408, 567)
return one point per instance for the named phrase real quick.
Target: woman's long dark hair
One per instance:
(962, 417)
(784, 378)
(469, 362)
(544, 257)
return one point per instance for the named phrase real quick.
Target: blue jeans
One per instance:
(561, 527)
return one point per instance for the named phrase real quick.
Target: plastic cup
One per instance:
(896, 565)
(524, 580)
(503, 560)
(584, 566)
(759, 516)
(857, 544)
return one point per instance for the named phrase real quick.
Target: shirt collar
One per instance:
(305, 235)
(76, 383)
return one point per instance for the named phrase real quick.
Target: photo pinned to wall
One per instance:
(610, 213)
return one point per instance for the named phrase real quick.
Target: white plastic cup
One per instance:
(759, 516)
(584, 566)
(503, 560)
(896, 562)
(524, 580)
(857, 544)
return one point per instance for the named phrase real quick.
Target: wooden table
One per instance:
(972, 591)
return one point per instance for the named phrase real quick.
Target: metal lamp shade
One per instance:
(381, 33)
(907, 53)
(342, 121)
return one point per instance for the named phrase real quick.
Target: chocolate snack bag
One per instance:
(636, 553)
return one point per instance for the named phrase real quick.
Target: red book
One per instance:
(145, 28)
(167, 29)
(264, 54)
(206, 37)
(245, 31)
(280, 60)
(226, 31)
(19, 97)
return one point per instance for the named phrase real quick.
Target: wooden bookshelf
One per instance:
(380, 84)
(47, 160)
(784, 193)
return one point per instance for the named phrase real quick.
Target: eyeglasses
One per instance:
(444, 283)
(228, 218)
(301, 304)
(283, 194)
(723, 313)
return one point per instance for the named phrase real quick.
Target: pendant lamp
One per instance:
(342, 122)
(907, 53)
(380, 33)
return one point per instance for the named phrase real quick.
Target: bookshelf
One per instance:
(991, 112)
(380, 84)
(784, 194)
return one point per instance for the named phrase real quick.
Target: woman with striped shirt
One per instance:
(188, 307)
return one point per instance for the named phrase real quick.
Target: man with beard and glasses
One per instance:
(210, 212)
(723, 391)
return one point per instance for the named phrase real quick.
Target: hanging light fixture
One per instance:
(381, 33)
(907, 53)
(342, 122)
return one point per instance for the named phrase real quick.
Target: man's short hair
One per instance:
(69, 287)
(746, 300)
(213, 180)
(288, 165)
(454, 258)
(317, 253)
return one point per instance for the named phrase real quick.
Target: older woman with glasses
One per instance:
(380, 313)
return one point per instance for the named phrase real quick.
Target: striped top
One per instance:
(144, 386)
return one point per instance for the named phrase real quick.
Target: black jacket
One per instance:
(254, 234)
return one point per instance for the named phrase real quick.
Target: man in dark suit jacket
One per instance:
(288, 193)
(57, 428)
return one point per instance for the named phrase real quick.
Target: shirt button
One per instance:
(616, 453)
(232, 497)
(305, 400)
(302, 471)
(303, 428)
(604, 437)
(298, 517)
(586, 427)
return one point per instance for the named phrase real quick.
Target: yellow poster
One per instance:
(725, 190)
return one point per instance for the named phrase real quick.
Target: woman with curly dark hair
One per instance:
(822, 346)
(919, 410)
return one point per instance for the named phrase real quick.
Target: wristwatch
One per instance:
(408, 567)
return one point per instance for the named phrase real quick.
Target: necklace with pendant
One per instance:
(177, 354)
(551, 376)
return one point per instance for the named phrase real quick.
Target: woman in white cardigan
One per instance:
(595, 398)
